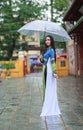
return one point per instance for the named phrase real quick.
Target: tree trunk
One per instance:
(12, 47)
(51, 4)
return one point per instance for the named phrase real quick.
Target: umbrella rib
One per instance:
(45, 28)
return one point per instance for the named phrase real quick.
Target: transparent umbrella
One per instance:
(45, 28)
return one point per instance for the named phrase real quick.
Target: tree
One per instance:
(58, 8)
(8, 28)
(13, 15)
(29, 10)
(51, 4)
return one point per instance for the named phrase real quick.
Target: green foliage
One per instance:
(8, 66)
(60, 45)
(41, 42)
(8, 29)
(13, 15)
(58, 8)
(60, 5)
(28, 10)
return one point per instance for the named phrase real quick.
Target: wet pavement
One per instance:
(21, 104)
(70, 93)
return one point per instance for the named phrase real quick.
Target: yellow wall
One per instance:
(16, 72)
(62, 65)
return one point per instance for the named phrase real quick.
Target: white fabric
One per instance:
(50, 106)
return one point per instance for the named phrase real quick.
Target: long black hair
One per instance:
(52, 44)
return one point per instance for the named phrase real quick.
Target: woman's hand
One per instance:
(40, 57)
(55, 76)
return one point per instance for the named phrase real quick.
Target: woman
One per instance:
(50, 106)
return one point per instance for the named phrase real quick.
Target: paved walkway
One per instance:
(70, 93)
(21, 104)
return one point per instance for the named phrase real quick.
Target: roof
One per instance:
(74, 13)
(78, 27)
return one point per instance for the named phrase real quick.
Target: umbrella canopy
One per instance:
(45, 28)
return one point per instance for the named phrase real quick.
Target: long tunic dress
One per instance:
(50, 105)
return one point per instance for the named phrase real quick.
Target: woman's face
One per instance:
(48, 41)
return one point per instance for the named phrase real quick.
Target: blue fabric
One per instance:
(49, 54)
